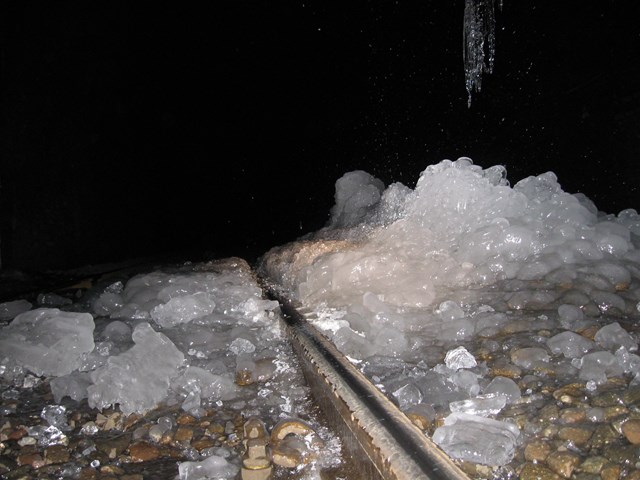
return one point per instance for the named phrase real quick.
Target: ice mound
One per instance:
(139, 378)
(443, 293)
(461, 226)
(47, 341)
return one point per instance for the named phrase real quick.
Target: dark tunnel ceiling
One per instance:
(131, 129)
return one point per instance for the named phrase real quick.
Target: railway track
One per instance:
(383, 443)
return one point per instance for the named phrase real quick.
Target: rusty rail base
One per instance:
(382, 442)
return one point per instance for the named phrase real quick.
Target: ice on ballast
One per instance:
(482, 405)
(9, 310)
(211, 467)
(73, 385)
(458, 358)
(613, 336)
(47, 341)
(528, 357)
(504, 387)
(139, 378)
(570, 344)
(182, 309)
(477, 439)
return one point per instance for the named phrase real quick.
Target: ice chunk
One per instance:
(183, 309)
(570, 344)
(56, 416)
(477, 439)
(47, 341)
(482, 405)
(405, 393)
(613, 336)
(356, 194)
(241, 346)
(528, 356)
(504, 386)
(569, 315)
(117, 331)
(9, 310)
(466, 381)
(52, 300)
(630, 362)
(107, 303)
(207, 385)
(213, 467)
(598, 366)
(73, 386)
(459, 358)
(139, 378)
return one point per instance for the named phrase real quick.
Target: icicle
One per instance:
(479, 37)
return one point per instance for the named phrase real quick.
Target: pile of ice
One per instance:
(175, 336)
(401, 276)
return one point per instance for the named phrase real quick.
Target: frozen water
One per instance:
(569, 344)
(505, 387)
(73, 385)
(477, 439)
(613, 336)
(213, 467)
(139, 378)
(9, 310)
(48, 341)
(527, 357)
(457, 264)
(459, 358)
(482, 405)
(479, 41)
(182, 309)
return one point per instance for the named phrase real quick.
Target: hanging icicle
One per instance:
(479, 42)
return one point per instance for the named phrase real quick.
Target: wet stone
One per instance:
(537, 471)
(183, 434)
(549, 413)
(113, 447)
(202, 443)
(537, 450)
(573, 415)
(33, 460)
(627, 455)
(579, 436)
(603, 436)
(6, 464)
(611, 472)
(143, 452)
(633, 475)
(563, 463)
(632, 396)
(593, 464)
(607, 399)
(56, 454)
(631, 430)
(614, 411)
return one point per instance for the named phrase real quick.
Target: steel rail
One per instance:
(382, 441)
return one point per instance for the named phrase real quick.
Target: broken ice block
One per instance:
(139, 378)
(47, 341)
(459, 358)
(183, 309)
(477, 439)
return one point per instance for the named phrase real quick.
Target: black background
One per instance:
(135, 129)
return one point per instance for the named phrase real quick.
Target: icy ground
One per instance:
(464, 296)
(200, 336)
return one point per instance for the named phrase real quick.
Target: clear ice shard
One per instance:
(477, 439)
